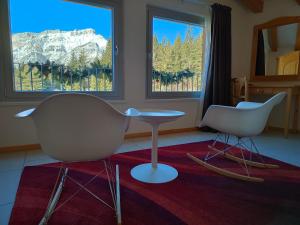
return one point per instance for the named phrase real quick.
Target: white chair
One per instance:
(246, 120)
(79, 127)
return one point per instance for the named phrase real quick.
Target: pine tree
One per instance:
(163, 52)
(187, 49)
(155, 53)
(106, 59)
(177, 54)
(73, 63)
(82, 59)
(169, 57)
(198, 54)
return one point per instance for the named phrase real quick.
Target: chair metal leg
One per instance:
(261, 164)
(114, 184)
(246, 164)
(241, 145)
(55, 198)
(115, 189)
(118, 205)
(220, 151)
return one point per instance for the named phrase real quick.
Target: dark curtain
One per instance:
(217, 89)
(260, 55)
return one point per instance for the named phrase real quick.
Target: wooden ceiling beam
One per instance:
(255, 6)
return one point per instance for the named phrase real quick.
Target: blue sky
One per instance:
(40, 15)
(170, 29)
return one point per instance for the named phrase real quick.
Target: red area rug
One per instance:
(198, 196)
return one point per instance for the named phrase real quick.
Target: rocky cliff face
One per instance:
(57, 46)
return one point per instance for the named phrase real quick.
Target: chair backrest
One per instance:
(276, 99)
(78, 127)
(257, 117)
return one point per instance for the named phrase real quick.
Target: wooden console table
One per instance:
(292, 90)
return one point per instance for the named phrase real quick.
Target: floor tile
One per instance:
(11, 161)
(9, 182)
(5, 213)
(37, 157)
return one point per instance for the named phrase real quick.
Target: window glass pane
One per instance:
(61, 46)
(177, 59)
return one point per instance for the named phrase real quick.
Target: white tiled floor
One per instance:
(11, 165)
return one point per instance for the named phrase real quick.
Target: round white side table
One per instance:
(154, 172)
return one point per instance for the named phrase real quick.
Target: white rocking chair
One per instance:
(79, 127)
(246, 120)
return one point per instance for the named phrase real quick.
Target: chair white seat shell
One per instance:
(247, 119)
(78, 127)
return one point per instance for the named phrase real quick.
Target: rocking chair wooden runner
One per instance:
(76, 128)
(244, 121)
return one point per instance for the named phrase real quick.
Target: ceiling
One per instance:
(257, 6)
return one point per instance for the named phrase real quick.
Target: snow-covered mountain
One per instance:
(57, 45)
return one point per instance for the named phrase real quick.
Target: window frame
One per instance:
(7, 92)
(177, 16)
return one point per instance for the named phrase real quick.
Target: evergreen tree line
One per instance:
(172, 63)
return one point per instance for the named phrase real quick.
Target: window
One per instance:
(175, 56)
(60, 46)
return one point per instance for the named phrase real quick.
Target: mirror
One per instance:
(276, 50)
(280, 55)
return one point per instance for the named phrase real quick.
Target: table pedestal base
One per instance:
(146, 173)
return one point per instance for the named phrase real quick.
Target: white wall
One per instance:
(19, 132)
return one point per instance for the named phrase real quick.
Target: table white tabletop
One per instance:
(154, 115)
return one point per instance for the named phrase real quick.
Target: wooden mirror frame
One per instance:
(280, 21)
